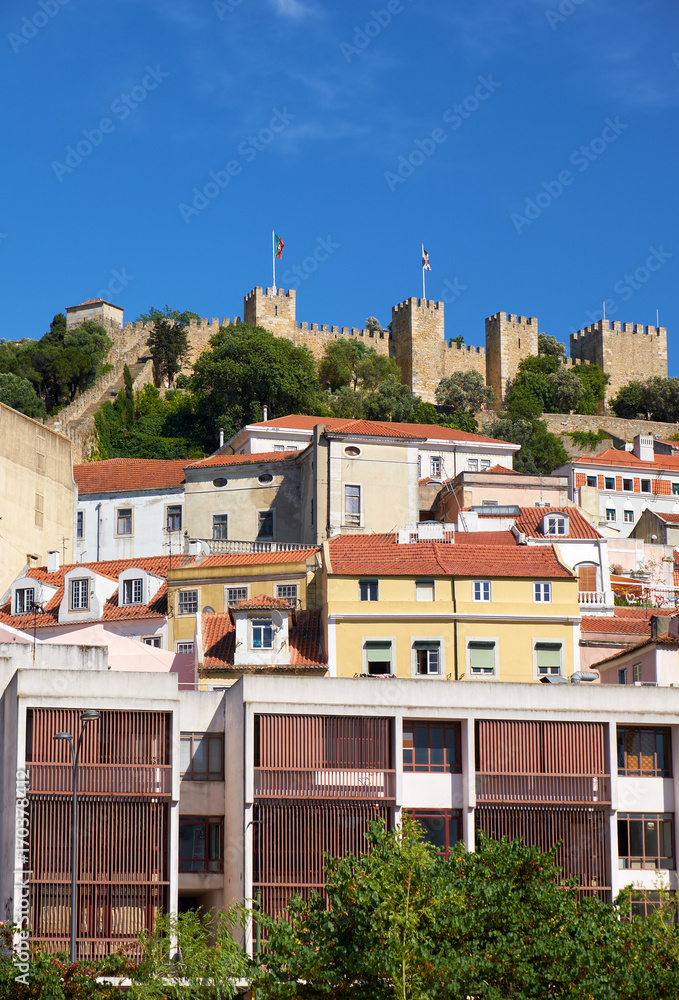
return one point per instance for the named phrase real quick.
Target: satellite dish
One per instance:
(277, 619)
(207, 610)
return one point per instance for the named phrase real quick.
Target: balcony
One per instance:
(324, 783)
(139, 780)
(547, 789)
(213, 546)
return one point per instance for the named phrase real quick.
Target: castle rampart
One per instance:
(624, 351)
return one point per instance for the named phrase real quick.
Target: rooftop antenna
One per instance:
(604, 308)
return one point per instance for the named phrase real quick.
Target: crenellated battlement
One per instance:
(606, 326)
(502, 317)
(623, 350)
(414, 303)
(269, 293)
(465, 348)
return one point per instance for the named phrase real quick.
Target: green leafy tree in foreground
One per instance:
(349, 362)
(20, 395)
(655, 398)
(169, 346)
(567, 389)
(465, 391)
(541, 451)
(551, 346)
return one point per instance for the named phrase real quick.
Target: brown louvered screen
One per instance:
(124, 782)
(587, 578)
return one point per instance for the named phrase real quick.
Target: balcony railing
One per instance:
(102, 779)
(576, 789)
(234, 547)
(597, 598)
(324, 783)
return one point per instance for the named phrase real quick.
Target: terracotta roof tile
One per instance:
(500, 470)
(381, 555)
(671, 641)
(373, 428)
(613, 457)
(668, 518)
(578, 526)
(248, 558)
(253, 458)
(263, 601)
(432, 432)
(638, 627)
(306, 643)
(92, 302)
(485, 538)
(125, 475)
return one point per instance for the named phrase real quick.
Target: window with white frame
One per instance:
(548, 658)
(610, 514)
(287, 591)
(628, 516)
(424, 590)
(473, 464)
(80, 524)
(555, 524)
(435, 466)
(622, 675)
(265, 525)
(378, 656)
(636, 673)
(80, 595)
(628, 485)
(279, 447)
(262, 633)
(481, 657)
(133, 591)
(220, 527)
(174, 518)
(352, 505)
(23, 601)
(152, 640)
(368, 590)
(645, 485)
(481, 590)
(591, 480)
(609, 482)
(188, 602)
(234, 594)
(542, 593)
(124, 521)
(427, 657)
(184, 647)
(485, 464)
(675, 489)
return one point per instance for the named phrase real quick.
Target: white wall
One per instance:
(149, 519)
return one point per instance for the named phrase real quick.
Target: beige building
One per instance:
(37, 494)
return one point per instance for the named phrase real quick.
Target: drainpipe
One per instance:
(98, 510)
(457, 673)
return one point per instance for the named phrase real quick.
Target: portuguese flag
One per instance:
(278, 243)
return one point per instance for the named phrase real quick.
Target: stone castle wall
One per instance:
(509, 339)
(624, 351)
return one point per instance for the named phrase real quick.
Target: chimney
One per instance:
(265, 413)
(221, 437)
(643, 447)
(660, 625)
(53, 561)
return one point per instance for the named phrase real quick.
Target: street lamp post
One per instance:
(87, 716)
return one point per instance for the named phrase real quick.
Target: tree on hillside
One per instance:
(245, 368)
(550, 346)
(183, 318)
(391, 400)
(654, 398)
(567, 389)
(169, 346)
(544, 385)
(348, 361)
(541, 451)
(373, 325)
(20, 395)
(464, 391)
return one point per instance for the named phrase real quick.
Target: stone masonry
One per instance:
(624, 351)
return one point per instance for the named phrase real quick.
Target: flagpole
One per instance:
(273, 252)
(424, 296)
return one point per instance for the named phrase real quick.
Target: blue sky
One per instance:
(151, 146)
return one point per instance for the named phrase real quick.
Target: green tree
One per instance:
(391, 401)
(20, 395)
(373, 324)
(541, 451)
(169, 346)
(459, 340)
(654, 398)
(567, 389)
(464, 391)
(162, 427)
(348, 361)
(594, 382)
(551, 346)
(183, 318)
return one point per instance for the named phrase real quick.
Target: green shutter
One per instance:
(427, 644)
(482, 655)
(378, 652)
(549, 654)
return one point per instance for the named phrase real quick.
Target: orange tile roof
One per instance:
(578, 526)
(306, 644)
(217, 461)
(381, 555)
(263, 601)
(432, 432)
(484, 538)
(125, 475)
(500, 470)
(156, 608)
(616, 625)
(612, 457)
(373, 428)
(668, 518)
(661, 640)
(92, 302)
(246, 559)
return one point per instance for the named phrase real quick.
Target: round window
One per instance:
(265, 477)
(352, 451)
(219, 482)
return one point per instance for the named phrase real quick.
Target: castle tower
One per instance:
(509, 339)
(276, 313)
(418, 340)
(624, 350)
(102, 312)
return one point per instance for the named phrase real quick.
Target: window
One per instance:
(124, 521)
(352, 451)
(419, 467)
(628, 516)
(622, 675)
(610, 514)
(555, 525)
(675, 489)
(265, 524)
(234, 594)
(265, 478)
(367, 590)
(427, 657)
(587, 579)
(219, 482)
(591, 480)
(188, 602)
(200, 844)
(644, 901)
(435, 466)
(174, 518)
(378, 656)
(645, 485)
(548, 658)
(80, 524)
(262, 633)
(152, 640)
(23, 601)
(473, 464)
(485, 464)
(279, 447)
(542, 593)
(352, 505)
(646, 840)
(424, 590)
(80, 595)
(442, 828)
(220, 527)
(201, 756)
(609, 482)
(481, 655)
(481, 590)
(432, 746)
(636, 673)
(133, 591)
(628, 484)
(644, 751)
(184, 647)
(288, 591)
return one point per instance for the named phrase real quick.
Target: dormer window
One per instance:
(555, 524)
(133, 591)
(80, 595)
(262, 633)
(23, 601)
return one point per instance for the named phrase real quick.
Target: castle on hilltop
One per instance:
(417, 341)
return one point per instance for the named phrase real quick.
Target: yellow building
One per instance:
(468, 606)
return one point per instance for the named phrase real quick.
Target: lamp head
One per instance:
(62, 736)
(89, 715)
